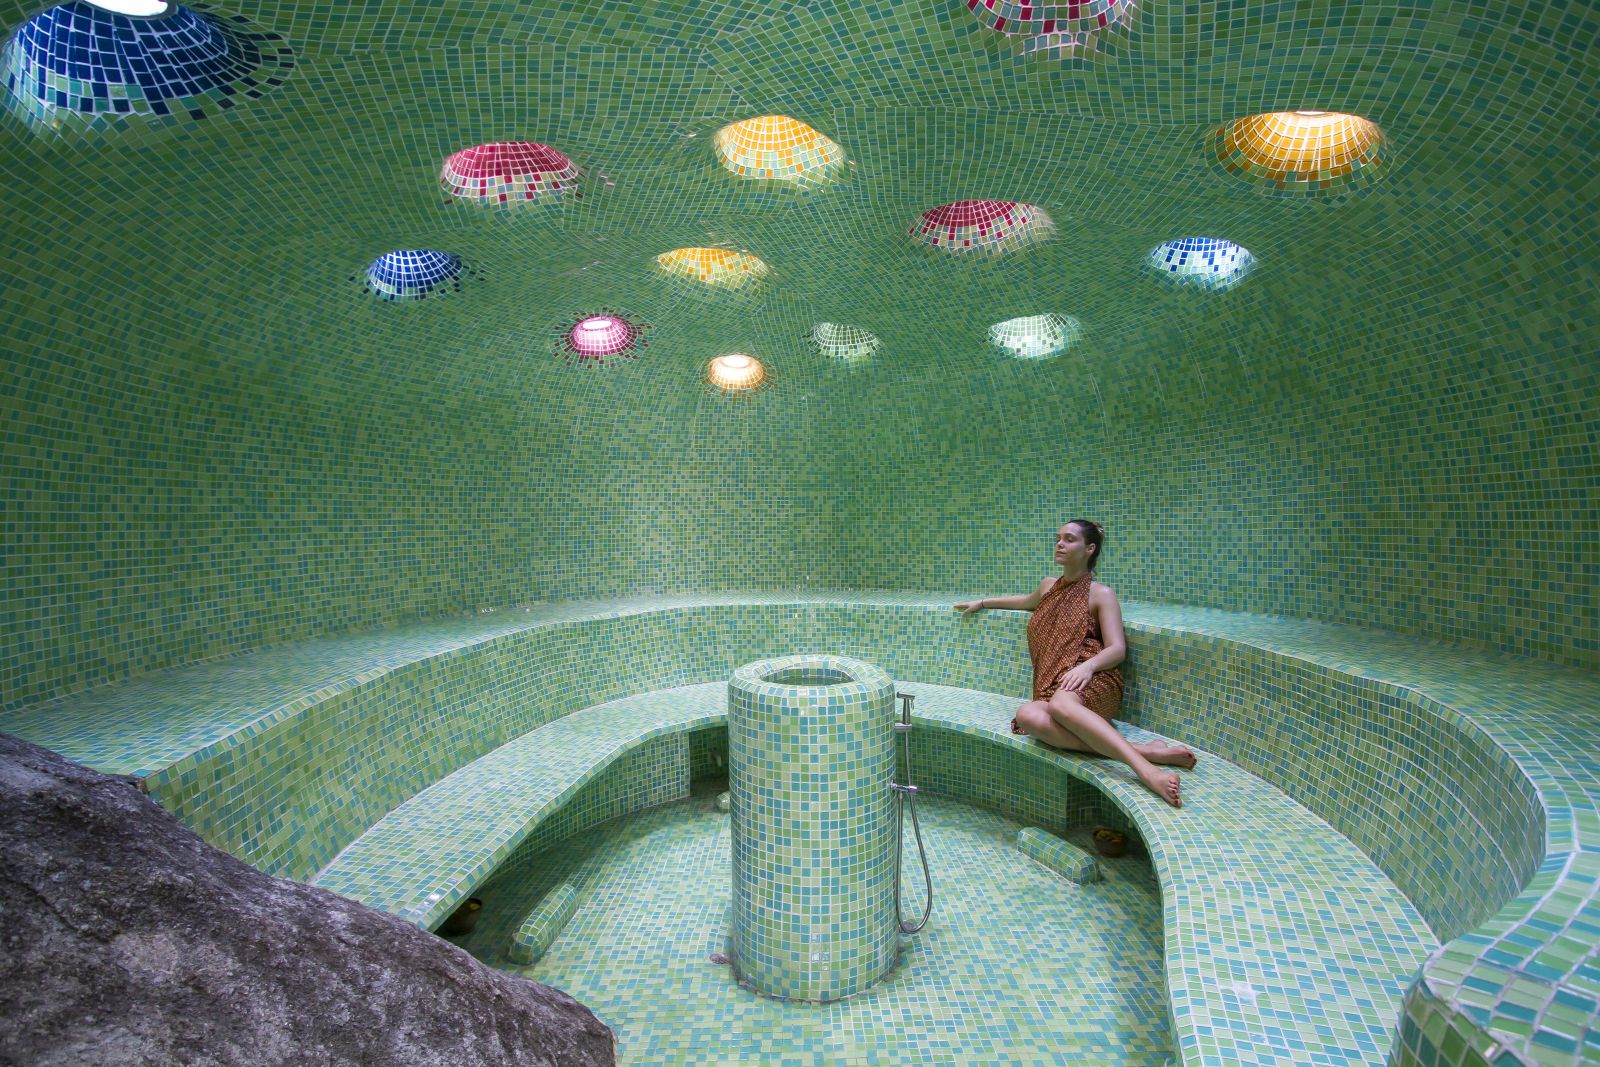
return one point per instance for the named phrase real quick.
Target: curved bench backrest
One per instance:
(1365, 756)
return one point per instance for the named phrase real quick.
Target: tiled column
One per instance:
(810, 757)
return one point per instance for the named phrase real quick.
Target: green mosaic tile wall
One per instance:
(213, 442)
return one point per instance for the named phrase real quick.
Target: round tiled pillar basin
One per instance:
(810, 758)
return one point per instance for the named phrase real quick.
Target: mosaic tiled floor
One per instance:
(1017, 965)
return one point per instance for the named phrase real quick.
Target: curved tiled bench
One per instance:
(1280, 933)
(1470, 778)
(425, 857)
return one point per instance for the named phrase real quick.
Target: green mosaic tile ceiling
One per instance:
(213, 441)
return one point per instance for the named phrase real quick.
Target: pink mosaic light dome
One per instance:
(508, 172)
(601, 337)
(981, 226)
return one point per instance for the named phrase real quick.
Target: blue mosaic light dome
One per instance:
(1204, 262)
(81, 65)
(411, 274)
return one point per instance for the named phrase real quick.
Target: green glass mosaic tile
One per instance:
(811, 755)
(1311, 698)
(1069, 861)
(211, 443)
(543, 925)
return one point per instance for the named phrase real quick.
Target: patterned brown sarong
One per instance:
(1062, 634)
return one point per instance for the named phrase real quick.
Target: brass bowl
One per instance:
(1109, 842)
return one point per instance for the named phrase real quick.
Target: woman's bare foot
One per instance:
(1167, 755)
(1163, 784)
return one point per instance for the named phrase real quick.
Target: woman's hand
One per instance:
(970, 606)
(1077, 679)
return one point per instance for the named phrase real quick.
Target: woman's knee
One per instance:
(1034, 716)
(1066, 708)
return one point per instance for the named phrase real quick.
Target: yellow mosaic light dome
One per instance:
(777, 147)
(1301, 151)
(719, 268)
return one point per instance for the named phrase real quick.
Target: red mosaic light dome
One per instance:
(508, 172)
(1061, 26)
(981, 226)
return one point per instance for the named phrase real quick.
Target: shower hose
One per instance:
(906, 795)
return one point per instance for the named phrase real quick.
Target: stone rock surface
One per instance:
(126, 939)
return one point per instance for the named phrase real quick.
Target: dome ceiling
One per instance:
(266, 211)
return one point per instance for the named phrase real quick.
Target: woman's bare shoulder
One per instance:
(1101, 592)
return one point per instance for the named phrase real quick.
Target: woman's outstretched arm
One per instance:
(1010, 603)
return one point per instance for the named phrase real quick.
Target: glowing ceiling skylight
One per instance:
(845, 343)
(991, 226)
(1036, 336)
(1203, 262)
(1061, 26)
(717, 268)
(82, 65)
(509, 173)
(137, 8)
(737, 374)
(604, 337)
(777, 147)
(411, 274)
(1301, 152)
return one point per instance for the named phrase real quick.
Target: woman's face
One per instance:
(1071, 549)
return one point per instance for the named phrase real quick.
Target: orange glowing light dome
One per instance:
(719, 268)
(1301, 151)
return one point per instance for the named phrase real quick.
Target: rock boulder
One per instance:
(126, 939)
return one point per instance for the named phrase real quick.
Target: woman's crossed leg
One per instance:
(1065, 722)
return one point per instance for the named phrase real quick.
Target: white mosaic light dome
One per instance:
(849, 344)
(1036, 336)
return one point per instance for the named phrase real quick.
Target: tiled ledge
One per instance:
(1472, 778)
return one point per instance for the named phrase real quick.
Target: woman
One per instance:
(1075, 638)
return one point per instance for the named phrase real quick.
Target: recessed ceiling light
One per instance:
(80, 66)
(508, 173)
(719, 268)
(736, 374)
(1301, 152)
(1058, 26)
(600, 338)
(1036, 336)
(1203, 262)
(413, 273)
(848, 344)
(992, 226)
(777, 147)
(141, 8)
